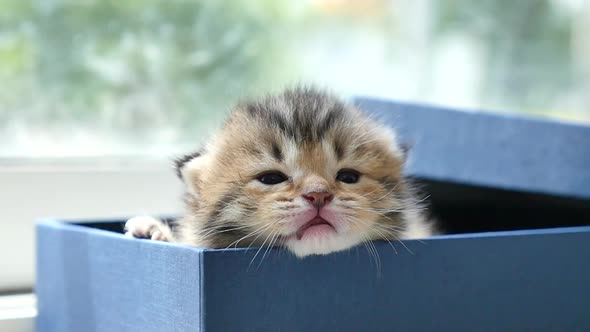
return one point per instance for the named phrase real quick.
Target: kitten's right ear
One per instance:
(180, 163)
(406, 147)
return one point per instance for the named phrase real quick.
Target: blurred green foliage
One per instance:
(136, 65)
(528, 46)
(128, 74)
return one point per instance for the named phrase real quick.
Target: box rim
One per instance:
(70, 226)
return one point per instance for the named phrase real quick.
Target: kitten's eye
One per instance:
(272, 178)
(348, 176)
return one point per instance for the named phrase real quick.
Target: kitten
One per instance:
(301, 170)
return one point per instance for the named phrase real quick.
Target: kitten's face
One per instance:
(302, 171)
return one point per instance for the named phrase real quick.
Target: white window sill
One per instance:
(18, 312)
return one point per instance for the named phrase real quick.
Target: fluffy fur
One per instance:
(310, 137)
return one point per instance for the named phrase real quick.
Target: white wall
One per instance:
(28, 193)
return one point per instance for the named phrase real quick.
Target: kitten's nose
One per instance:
(318, 198)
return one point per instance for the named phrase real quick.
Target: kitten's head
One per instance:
(300, 169)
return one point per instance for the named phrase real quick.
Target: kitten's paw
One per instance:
(146, 227)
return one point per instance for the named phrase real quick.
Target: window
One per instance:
(98, 95)
(150, 78)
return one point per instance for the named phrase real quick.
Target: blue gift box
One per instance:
(515, 192)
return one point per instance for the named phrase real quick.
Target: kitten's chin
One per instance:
(321, 242)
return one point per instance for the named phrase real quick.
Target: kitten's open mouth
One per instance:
(317, 225)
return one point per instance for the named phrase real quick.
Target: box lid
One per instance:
(491, 150)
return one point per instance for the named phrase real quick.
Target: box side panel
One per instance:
(92, 280)
(49, 279)
(495, 283)
(490, 149)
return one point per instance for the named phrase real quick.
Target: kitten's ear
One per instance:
(180, 163)
(190, 169)
(399, 149)
(406, 147)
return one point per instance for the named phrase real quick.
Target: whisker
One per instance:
(403, 244)
(257, 231)
(258, 251)
(215, 230)
(369, 193)
(388, 193)
(372, 251)
(384, 237)
(269, 247)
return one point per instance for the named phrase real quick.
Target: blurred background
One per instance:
(89, 78)
(97, 96)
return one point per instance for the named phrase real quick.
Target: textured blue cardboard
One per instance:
(97, 280)
(482, 172)
(494, 150)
